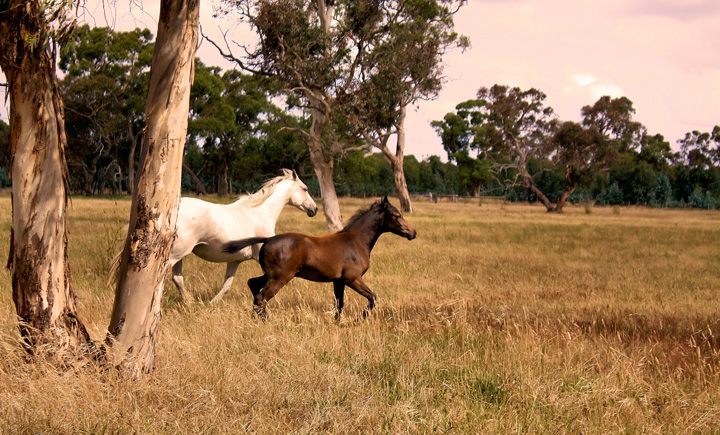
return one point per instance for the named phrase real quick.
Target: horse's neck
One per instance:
(367, 231)
(269, 211)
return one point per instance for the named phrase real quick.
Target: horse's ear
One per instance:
(295, 175)
(384, 201)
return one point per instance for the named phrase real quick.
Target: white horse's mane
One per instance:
(267, 189)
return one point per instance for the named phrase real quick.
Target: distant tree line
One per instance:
(506, 142)
(237, 136)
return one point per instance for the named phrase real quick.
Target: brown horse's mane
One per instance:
(358, 216)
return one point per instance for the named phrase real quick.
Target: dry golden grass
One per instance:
(500, 318)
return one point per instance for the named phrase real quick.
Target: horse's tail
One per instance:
(235, 246)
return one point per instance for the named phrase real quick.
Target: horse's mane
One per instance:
(257, 198)
(358, 216)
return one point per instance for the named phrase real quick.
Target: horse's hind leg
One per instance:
(339, 288)
(256, 284)
(267, 293)
(229, 276)
(359, 286)
(179, 281)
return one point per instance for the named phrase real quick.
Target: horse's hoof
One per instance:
(261, 313)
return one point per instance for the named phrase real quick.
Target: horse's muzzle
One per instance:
(311, 211)
(411, 235)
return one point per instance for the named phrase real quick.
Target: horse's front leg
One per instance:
(359, 286)
(256, 284)
(229, 276)
(339, 288)
(177, 278)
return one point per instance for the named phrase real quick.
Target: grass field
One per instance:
(496, 319)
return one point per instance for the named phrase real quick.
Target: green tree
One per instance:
(405, 42)
(236, 132)
(663, 192)
(657, 152)
(104, 91)
(613, 119)
(325, 53)
(579, 153)
(507, 126)
(701, 149)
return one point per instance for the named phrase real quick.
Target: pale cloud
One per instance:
(590, 87)
(583, 79)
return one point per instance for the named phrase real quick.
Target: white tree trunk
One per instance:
(323, 166)
(397, 164)
(396, 161)
(41, 282)
(136, 312)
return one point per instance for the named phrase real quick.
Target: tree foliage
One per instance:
(104, 92)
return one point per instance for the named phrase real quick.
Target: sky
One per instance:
(664, 55)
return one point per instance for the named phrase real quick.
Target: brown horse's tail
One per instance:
(235, 246)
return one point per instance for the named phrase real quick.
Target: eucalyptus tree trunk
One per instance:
(136, 312)
(41, 282)
(528, 181)
(396, 163)
(569, 189)
(199, 186)
(222, 181)
(323, 166)
(323, 159)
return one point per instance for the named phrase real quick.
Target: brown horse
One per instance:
(341, 258)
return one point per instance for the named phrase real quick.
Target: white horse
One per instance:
(203, 227)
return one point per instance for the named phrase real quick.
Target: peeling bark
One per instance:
(136, 313)
(44, 298)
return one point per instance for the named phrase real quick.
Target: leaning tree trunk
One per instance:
(323, 166)
(321, 159)
(396, 163)
(569, 189)
(199, 186)
(540, 196)
(528, 179)
(136, 312)
(42, 287)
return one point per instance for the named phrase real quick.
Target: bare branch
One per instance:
(296, 130)
(228, 55)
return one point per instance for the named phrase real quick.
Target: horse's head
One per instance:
(393, 220)
(299, 196)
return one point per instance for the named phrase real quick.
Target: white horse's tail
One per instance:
(237, 245)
